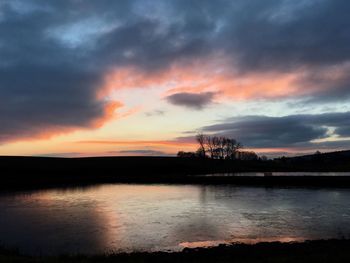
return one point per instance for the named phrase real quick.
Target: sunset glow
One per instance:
(143, 77)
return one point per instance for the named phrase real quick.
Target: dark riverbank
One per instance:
(308, 251)
(29, 172)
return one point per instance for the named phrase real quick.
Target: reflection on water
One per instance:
(161, 217)
(212, 243)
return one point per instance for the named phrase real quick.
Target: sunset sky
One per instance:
(142, 77)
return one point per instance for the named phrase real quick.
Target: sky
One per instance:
(142, 77)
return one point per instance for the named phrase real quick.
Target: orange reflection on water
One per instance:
(212, 243)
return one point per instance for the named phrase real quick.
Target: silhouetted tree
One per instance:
(222, 142)
(183, 154)
(209, 145)
(231, 148)
(248, 156)
(201, 152)
(263, 158)
(218, 147)
(215, 141)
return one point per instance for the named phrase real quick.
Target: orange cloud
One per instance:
(130, 112)
(209, 75)
(107, 115)
(47, 132)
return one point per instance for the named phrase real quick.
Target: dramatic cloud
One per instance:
(56, 56)
(45, 87)
(38, 101)
(300, 131)
(270, 48)
(191, 100)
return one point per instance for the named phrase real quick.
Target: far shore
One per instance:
(37, 172)
(335, 250)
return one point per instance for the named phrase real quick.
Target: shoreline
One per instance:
(308, 182)
(332, 250)
(44, 172)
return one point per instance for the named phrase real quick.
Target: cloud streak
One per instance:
(298, 131)
(171, 143)
(191, 100)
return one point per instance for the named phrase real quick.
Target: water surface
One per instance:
(123, 217)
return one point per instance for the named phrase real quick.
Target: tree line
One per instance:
(219, 147)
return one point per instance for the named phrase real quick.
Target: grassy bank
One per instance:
(309, 251)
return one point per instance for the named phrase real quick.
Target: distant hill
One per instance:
(335, 154)
(328, 157)
(24, 172)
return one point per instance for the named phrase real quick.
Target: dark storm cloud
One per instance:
(286, 34)
(54, 53)
(192, 100)
(286, 131)
(43, 85)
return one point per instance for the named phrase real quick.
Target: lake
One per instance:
(123, 217)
